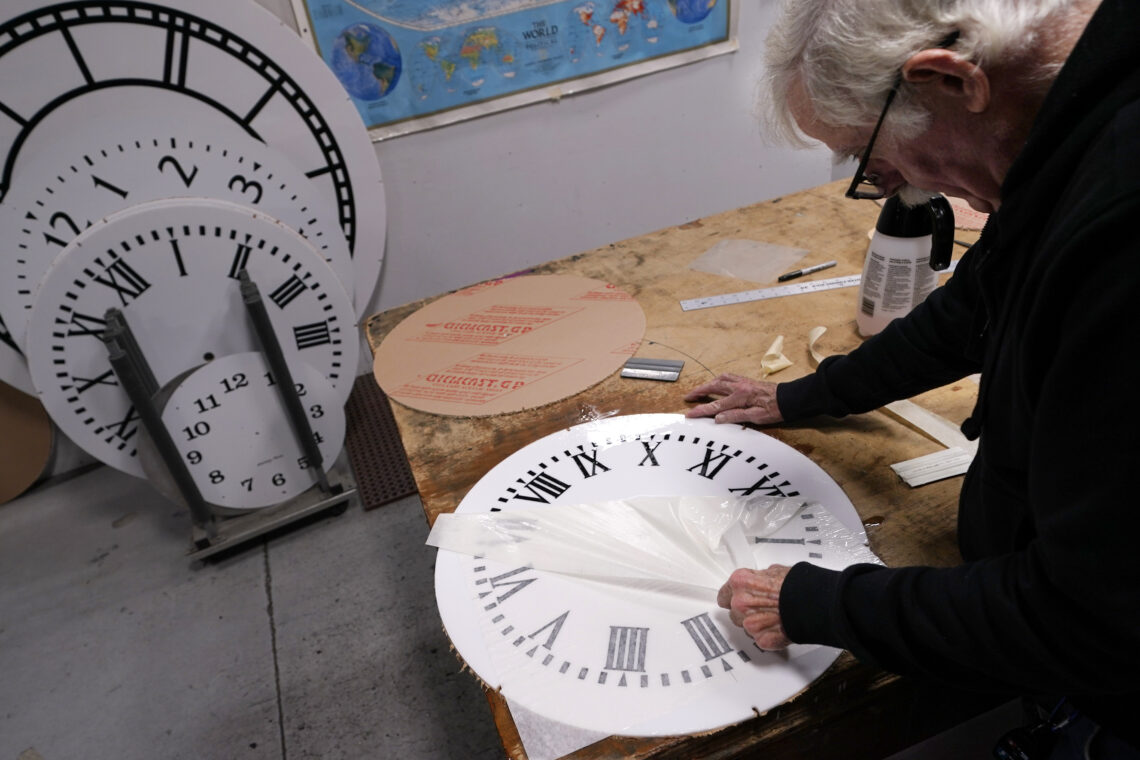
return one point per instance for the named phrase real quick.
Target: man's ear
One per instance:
(952, 75)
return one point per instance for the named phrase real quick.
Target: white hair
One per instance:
(847, 54)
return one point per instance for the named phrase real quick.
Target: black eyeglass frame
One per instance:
(860, 177)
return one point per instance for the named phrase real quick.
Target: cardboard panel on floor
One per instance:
(25, 446)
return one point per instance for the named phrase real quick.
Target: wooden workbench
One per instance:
(852, 705)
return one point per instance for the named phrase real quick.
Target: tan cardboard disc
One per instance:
(25, 444)
(509, 345)
(965, 217)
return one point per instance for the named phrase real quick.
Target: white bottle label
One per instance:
(896, 278)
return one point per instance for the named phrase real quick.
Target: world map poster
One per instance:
(415, 64)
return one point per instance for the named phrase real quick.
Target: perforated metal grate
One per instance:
(374, 448)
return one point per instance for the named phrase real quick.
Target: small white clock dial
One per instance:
(65, 188)
(230, 425)
(171, 266)
(627, 660)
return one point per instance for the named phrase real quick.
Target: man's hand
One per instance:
(753, 600)
(742, 400)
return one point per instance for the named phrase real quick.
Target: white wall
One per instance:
(496, 194)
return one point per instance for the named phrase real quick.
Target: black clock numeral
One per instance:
(767, 486)
(186, 177)
(60, 216)
(122, 429)
(241, 257)
(555, 627)
(246, 185)
(178, 258)
(315, 334)
(124, 280)
(816, 542)
(84, 383)
(177, 53)
(582, 458)
(626, 650)
(650, 454)
(85, 324)
(287, 291)
(80, 61)
(231, 384)
(509, 581)
(539, 487)
(712, 464)
(100, 182)
(708, 638)
(197, 430)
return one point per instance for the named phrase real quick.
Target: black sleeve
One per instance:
(930, 347)
(1060, 613)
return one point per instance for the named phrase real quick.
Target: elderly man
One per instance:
(1030, 110)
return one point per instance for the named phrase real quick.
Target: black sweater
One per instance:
(1045, 306)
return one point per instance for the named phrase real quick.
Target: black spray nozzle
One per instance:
(934, 218)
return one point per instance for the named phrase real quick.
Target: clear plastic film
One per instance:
(688, 541)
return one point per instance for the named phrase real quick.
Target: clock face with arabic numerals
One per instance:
(98, 174)
(230, 424)
(626, 660)
(172, 268)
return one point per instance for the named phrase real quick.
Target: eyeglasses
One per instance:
(864, 187)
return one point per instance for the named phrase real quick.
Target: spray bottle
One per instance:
(911, 244)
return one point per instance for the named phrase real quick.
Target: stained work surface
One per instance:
(906, 526)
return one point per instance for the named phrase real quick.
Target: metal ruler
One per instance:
(761, 294)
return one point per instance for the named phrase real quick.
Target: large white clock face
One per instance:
(98, 173)
(172, 266)
(626, 660)
(219, 67)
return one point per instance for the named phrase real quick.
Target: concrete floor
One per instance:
(322, 643)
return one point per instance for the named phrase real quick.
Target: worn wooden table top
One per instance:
(906, 526)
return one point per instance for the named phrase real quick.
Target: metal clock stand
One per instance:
(211, 534)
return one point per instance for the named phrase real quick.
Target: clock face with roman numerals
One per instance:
(228, 70)
(171, 266)
(96, 174)
(627, 660)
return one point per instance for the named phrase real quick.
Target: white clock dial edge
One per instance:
(461, 616)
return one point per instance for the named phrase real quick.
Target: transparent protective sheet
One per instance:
(682, 541)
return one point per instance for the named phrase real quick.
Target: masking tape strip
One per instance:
(677, 543)
(938, 428)
(774, 360)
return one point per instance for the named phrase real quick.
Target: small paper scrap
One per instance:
(774, 359)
